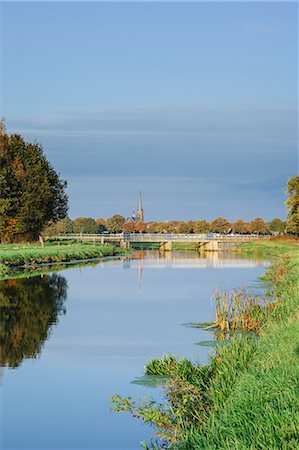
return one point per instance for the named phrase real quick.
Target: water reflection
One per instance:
(28, 308)
(141, 260)
(112, 328)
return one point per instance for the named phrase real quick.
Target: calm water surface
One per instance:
(71, 339)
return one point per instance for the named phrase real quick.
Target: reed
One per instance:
(239, 309)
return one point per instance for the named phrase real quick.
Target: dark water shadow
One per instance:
(29, 307)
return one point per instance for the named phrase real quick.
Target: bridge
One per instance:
(204, 241)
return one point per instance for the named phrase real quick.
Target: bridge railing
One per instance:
(92, 237)
(161, 237)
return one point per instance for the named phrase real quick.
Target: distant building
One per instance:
(139, 216)
(139, 213)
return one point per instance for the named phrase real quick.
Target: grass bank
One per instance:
(248, 396)
(28, 255)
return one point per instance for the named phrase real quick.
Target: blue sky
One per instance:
(194, 104)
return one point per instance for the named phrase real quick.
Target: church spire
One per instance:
(139, 214)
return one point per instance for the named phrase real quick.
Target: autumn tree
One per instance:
(101, 223)
(154, 227)
(115, 223)
(85, 225)
(130, 227)
(140, 227)
(292, 204)
(184, 228)
(241, 227)
(258, 226)
(201, 226)
(220, 225)
(32, 193)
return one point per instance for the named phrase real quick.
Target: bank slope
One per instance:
(262, 408)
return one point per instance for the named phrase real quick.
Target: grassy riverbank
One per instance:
(15, 255)
(248, 396)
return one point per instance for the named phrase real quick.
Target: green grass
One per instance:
(271, 248)
(13, 255)
(247, 398)
(261, 409)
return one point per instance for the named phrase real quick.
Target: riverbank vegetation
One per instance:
(28, 255)
(247, 397)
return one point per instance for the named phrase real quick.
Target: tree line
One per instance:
(34, 201)
(118, 224)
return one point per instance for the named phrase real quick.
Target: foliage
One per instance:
(4, 270)
(85, 225)
(241, 227)
(220, 225)
(115, 223)
(292, 204)
(32, 193)
(134, 227)
(29, 307)
(258, 226)
(276, 225)
(63, 226)
(185, 227)
(101, 223)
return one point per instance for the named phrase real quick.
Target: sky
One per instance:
(193, 104)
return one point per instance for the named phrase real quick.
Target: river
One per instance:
(71, 339)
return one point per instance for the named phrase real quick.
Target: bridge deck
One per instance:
(162, 237)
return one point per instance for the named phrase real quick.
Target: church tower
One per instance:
(139, 212)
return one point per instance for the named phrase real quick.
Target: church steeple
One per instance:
(139, 213)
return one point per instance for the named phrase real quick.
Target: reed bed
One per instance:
(239, 309)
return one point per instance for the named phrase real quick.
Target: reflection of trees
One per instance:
(28, 308)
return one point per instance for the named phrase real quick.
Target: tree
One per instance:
(32, 193)
(85, 225)
(220, 225)
(130, 227)
(292, 204)
(63, 226)
(140, 227)
(201, 226)
(185, 228)
(241, 227)
(115, 223)
(153, 227)
(276, 226)
(101, 223)
(258, 226)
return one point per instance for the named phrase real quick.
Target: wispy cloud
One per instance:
(260, 125)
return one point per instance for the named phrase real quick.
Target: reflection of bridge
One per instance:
(204, 241)
(141, 261)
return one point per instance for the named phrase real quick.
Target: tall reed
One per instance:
(239, 309)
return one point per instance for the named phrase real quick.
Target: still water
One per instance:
(71, 339)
